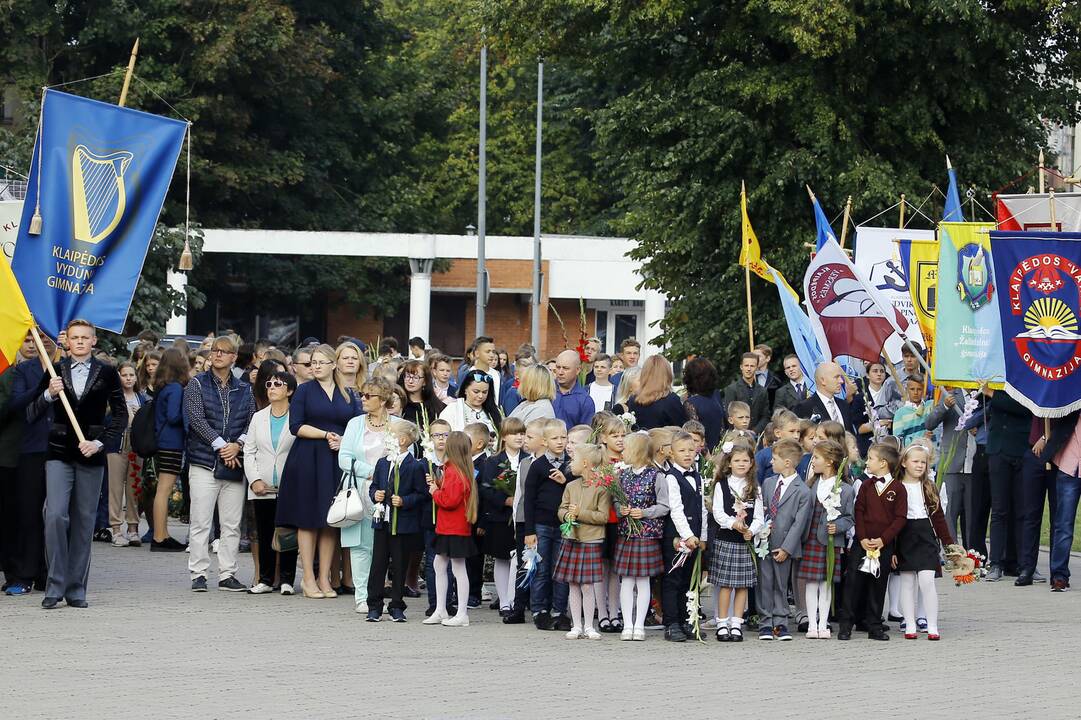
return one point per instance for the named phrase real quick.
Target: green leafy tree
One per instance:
(860, 100)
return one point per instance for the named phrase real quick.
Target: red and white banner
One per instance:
(1033, 212)
(848, 314)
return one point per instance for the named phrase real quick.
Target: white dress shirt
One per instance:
(831, 407)
(675, 505)
(738, 486)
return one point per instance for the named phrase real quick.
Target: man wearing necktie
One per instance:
(73, 469)
(829, 379)
(795, 389)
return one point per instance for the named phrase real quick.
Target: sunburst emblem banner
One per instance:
(1039, 297)
(103, 172)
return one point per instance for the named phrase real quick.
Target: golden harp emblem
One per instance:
(98, 194)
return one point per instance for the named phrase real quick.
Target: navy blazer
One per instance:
(412, 489)
(493, 502)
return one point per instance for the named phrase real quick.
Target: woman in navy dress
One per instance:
(318, 415)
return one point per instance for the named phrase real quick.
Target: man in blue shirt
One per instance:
(572, 403)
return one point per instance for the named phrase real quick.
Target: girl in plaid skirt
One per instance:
(584, 513)
(738, 510)
(638, 549)
(832, 516)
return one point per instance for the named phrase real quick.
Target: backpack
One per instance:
(144, 440)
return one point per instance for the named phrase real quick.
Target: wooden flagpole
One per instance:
(746, 272)
(1054, 228)
(47, 363)
(844, 223)
(1043, 182)
(128, 74)
(901, 223)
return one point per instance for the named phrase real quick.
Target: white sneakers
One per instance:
(287, 589)
(574, 634)
(639, 634)
(133, 539)
(120, 540)
(456, 621)
(627, 634)
(591, 634)
(434, 619)
(260, 589)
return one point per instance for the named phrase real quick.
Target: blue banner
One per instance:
(104, 171)
(799, 328)
(1038, 274)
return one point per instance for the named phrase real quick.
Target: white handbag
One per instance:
(347, 507)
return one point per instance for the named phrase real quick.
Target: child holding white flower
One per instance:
(740, 515)
(585, 506)
(831, 517)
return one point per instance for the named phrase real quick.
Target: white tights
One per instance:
(817, 596)
(582, 603)
(926, 582)
(504, 582)
(634, 613)
(457, 566)
(605, 593)
(895, 598)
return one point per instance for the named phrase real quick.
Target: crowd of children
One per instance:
(598, 529)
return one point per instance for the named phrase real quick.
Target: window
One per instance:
(602, 328)
(626, 327)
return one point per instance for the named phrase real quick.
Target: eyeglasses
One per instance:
(320, 363)
(307, 364)
(274, 384)
(441, 436)
(413, 376)
(370, 396)
(221, 351)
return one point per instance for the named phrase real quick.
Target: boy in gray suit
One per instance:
(788, 511)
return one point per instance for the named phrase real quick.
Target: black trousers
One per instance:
(1007, 503)
(674, 585)
(978, 504)
(474, 568)
(1037, 484)
(863, 590)
(387, 550)
(22, 522)
(521, 587)
(264, 510)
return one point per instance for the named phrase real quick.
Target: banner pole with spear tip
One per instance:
(844, 222)
(1054, 228)
(1043, 182)
(127, 75)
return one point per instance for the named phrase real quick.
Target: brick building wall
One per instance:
(507, 316)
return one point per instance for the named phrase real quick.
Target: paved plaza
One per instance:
(149, 648)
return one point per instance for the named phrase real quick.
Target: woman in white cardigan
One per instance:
(265, 451)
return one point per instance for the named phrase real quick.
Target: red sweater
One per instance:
(880, 515)
(451, 499)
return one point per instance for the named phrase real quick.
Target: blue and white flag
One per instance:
(799, 327)
(952, 212)
(823, 230)
(103, 172)
(1038, 274)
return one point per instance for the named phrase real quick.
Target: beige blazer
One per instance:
(260, 457)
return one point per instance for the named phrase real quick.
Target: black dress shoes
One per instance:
(77, 603)
(845, 632)
(50, 602)
(1023, 580)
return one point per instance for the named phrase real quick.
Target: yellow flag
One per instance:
(15, 318)
(750, 254)
(923, 283)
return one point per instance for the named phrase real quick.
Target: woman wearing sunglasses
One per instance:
(268, 444)
(318, 415)
(475, 403)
